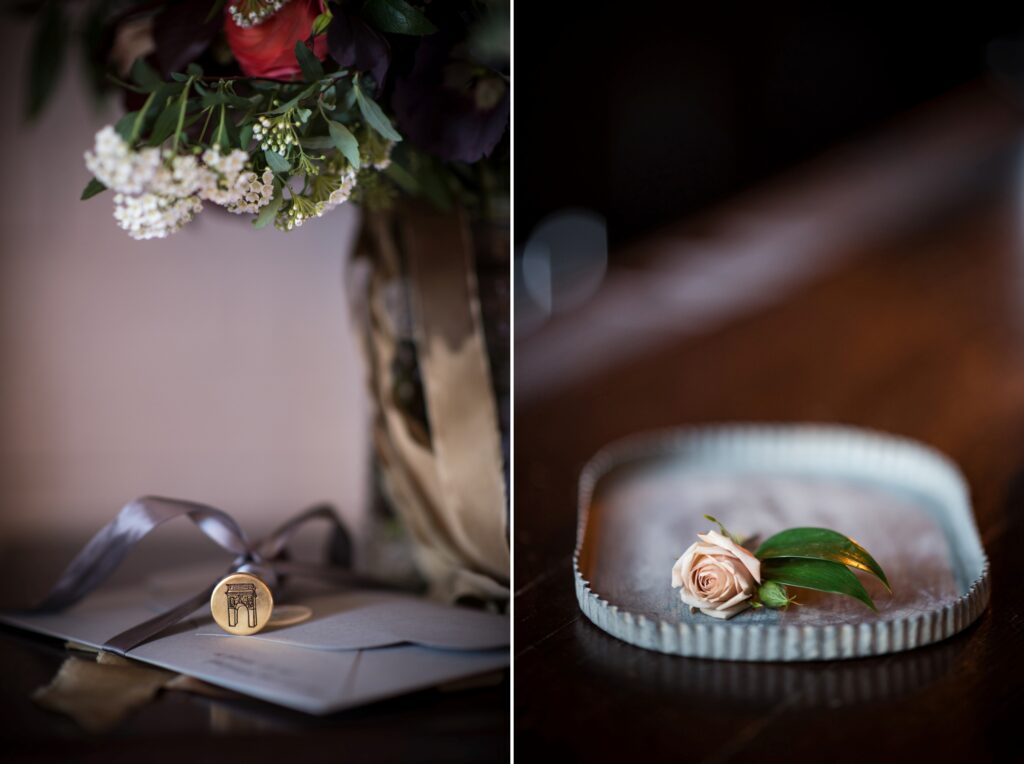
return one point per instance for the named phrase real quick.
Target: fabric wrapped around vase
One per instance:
(430, 291)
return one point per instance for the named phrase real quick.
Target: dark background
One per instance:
(646, 112)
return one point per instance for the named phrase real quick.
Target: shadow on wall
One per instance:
(217, 365)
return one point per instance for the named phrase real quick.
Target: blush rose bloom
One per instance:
(268, 49)
(716, 576)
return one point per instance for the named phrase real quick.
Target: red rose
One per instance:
(268, 49)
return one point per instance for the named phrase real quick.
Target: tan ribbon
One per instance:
(450, 494)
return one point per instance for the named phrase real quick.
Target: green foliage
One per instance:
(312, 69)
(269, 212)
(92, 188)
(773, 594)
(374, 116)
(46, 56)
(397, 17)
(276, 162)
(821, 544)
(820, 575)
(345, 142)
(321, 22)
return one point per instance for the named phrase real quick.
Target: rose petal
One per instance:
(748, 560)
(726, 613)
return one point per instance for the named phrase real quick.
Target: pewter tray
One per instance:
(642, 502)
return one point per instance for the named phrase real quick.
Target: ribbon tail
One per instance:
(135, 636)
(105, 551)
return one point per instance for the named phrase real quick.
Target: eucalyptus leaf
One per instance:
(268, 213)
(376, 118)
(820, 575)
(92, 188)
(317, 142)
(821, 544)
(397, 17)
(312, 69)
(276, 162)
(245, 137)
(291, 103)
(345, 142)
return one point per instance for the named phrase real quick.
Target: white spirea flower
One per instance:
(343, 192)
(117, 166)
(257, 192)
(151, 216)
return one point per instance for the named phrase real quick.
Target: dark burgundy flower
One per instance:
(449, 105)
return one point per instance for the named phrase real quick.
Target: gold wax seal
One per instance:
(241, 604)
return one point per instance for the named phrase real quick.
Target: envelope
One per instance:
(359, 646)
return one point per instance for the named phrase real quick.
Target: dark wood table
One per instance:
(915, 327)
(470, 725)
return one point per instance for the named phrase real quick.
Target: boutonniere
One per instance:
(721, 577)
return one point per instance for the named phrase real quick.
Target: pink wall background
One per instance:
(217, 365)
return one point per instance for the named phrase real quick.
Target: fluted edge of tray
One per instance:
(765, 642)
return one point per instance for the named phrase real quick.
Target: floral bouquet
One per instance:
(285, 109)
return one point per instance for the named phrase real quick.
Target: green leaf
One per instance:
(124, 126)
(345, 142)
(312, 69)
(374, 116)
(46, 57)
(773, 594)
(145, 76)
(165, 124)
(214, 10)
(268, 213)
(290, 104)
(92, 188)
(321, 22)
(821, 544)
(398, 17)
(245, 137)
(820, 575)
(194, 70)
(276, 162)
(402, 178)
(317, 142)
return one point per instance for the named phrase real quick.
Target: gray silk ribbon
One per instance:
(264, 558)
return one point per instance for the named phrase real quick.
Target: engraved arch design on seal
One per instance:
(241, 595)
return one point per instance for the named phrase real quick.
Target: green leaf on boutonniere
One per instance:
(820, 575)
(773, 594)
(821, 544)
(722, 529)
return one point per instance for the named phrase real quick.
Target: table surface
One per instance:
(470, 724)
(915, 328)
